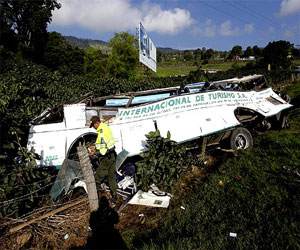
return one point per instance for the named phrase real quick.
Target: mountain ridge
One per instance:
(85, 43)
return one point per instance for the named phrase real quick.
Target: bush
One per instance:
(162, 163)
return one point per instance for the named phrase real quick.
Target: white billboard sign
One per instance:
(147, 49)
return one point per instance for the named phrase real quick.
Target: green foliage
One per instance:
(276, 54)
(197, 54)
(162, 163)
(295, 53)
(18, 93)
(248, 52)
(95, 62)
(59, 55)
(257, 51)
(294, 92)
(236, 51)
(196, 76)
(255, 195)
(187, 55)
(124, 58)
(28, 21)
(235, 65)
(208, 54)
(23, 184)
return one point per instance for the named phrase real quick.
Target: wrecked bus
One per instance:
(218, 111)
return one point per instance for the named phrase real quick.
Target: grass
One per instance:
(166, 71)
(173, 68)
(223, 66)
(182, 69)
(293, 90)
(295, 63)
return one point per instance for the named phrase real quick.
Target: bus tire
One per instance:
(241, 138)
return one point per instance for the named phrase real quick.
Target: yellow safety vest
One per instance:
(105, 139)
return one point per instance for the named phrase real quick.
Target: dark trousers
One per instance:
(107, 169)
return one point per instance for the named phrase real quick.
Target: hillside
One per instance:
(85, 43)
(167, 50)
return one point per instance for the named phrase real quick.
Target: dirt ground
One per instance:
(71, 228)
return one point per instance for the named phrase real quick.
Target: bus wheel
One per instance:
(241, 138)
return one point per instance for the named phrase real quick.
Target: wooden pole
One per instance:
(89, 178)
(204, 144)
(17, 228)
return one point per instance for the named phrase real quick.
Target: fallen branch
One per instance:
(17, 228)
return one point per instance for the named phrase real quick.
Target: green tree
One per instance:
(197, 54)
(276, 54)
(236, 51)
(95, 62)
(187, 55)
(61, 56)
(55, 51)
(229, 56)
(248, 52)
(296, 53)
(257, 51)
(159, 56)
(27, 21)
(196, 76)
(8, 38)
(124, 58)
(208, 54)
(224, 54)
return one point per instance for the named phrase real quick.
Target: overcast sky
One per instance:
(183, 24)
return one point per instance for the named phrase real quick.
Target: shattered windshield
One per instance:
(50, 115)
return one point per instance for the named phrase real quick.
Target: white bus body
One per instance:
(188, 116)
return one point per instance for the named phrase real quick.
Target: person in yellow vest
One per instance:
(105, 150)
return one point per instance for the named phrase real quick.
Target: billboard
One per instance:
(147, 49)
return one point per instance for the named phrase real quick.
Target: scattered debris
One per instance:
(221, 183)
(81, 184)
(51, 213)
(48, 232)
(154, 198)
(23, 239)
(182, 207)
(234, 235)
(70, 171)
